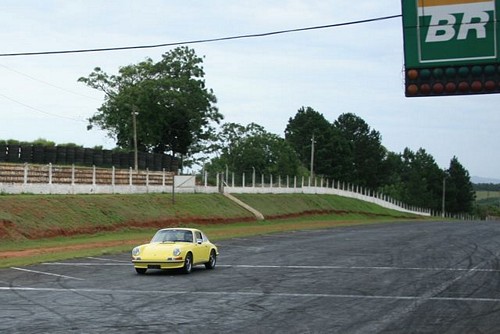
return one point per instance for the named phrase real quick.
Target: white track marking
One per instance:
(252, 294)
(104, 259)
(355, 268)
(248, 266)
(87, 264)
(46, 273)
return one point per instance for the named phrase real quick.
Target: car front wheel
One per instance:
(188, 264)
(212, 260)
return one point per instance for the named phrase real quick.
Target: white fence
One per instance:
(319, 186)
(160, 182)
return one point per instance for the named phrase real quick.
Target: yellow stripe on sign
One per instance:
(429, 3)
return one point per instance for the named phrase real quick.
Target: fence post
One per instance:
(25, 180)
(73, 174)
(50, 173)
(130, 176)
(93, 175)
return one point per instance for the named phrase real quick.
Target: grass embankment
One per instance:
(36, 228)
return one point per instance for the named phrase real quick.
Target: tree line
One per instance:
(165, 106)
(347, 150)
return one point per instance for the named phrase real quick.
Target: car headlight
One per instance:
(136, 251)
(177, 251)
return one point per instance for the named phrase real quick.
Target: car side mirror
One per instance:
(199, 241)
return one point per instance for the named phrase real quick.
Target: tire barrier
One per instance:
(3, 152)
(79, 156)
(13, 153)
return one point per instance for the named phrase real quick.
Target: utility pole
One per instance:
(134, 124)
(444, 191)
(312, 157)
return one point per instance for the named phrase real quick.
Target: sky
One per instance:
(349, 69)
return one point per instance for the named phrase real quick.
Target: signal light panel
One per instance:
(452, 80)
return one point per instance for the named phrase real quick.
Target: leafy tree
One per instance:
(245, 148)
(174, 110)
(414, 178)
(299, 133)
(459, 193)
(363, 153)
(393, 168)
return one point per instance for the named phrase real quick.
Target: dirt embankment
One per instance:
(9, 230)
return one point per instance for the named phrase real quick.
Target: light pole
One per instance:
(134, 124)
(253, 177)
(312, 157)
(443, 201)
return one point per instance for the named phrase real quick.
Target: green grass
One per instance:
(290, 204)
(39, 215)
(485, 195)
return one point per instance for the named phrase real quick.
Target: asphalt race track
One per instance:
(432, 277)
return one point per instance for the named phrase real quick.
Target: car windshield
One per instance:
(173, 236)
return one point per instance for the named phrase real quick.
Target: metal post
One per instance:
(444, 191)
(134, 123)
(253, 177)
(312, 156)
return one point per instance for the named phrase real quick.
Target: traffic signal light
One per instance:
(452, 80)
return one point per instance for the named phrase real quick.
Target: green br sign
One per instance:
(451, 47)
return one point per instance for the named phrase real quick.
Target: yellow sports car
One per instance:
(175, 248)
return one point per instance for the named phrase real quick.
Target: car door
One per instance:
(201, 248)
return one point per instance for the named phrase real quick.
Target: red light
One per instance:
(412, 74)
(425, 89)
(451, 87)
(490, 85)
(463, 86)
(438, 88)
(412, 89)
(477, 86)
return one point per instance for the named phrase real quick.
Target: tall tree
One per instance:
(422, 179)
(300, 130)
(248, 148)
(460, 194)
(174, 109)
(364, 155)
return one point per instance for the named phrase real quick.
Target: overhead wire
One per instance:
(47, 83)
(39, 110)
(209, 40)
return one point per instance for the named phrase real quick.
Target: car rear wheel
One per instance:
(212, 260)
(141, 271)
(188, 264)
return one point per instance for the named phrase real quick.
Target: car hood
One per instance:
(159, 250)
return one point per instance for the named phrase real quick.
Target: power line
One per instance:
(210, 40)
(47, 83)
(39, 110)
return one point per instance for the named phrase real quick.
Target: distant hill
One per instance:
(478, 179)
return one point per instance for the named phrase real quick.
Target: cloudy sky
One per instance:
(355, 68)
